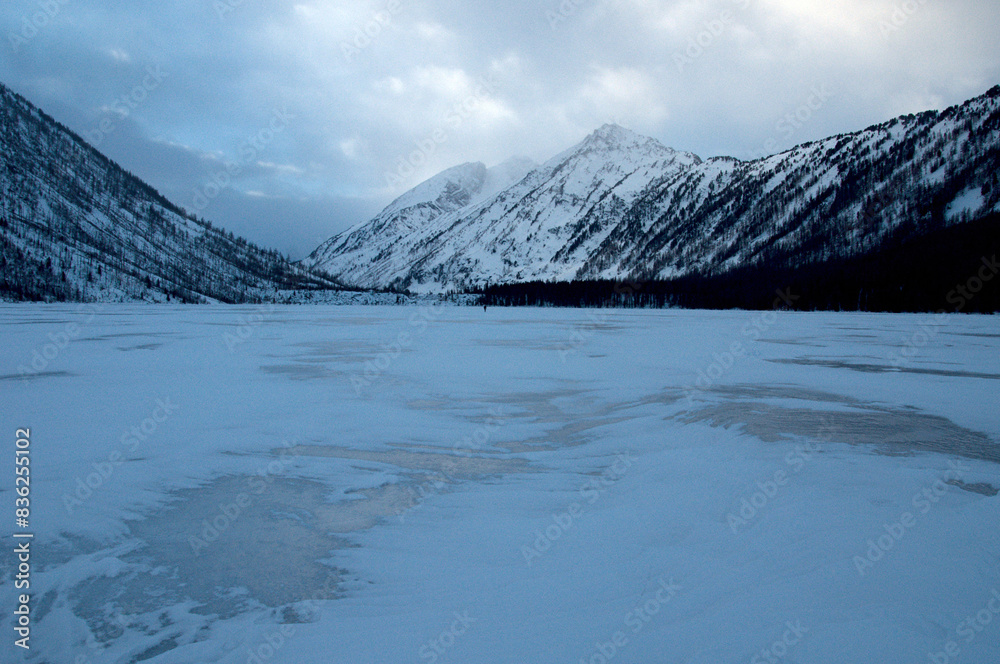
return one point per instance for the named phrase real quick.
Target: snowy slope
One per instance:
(516, 232)
(75, 225)
(622, 206)
(452, 191)
(302, 493)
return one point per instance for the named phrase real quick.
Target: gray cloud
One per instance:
(380, 94)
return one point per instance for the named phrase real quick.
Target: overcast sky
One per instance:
(288, 121)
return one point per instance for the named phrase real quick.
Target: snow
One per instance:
(969, 201)
(93, 232)
(504, 175)
(619, 204)
(444, 484)
(422, 210)
(468, 177)
(516, 202)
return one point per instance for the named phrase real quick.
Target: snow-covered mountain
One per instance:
(76, 226)
(622, 206)
(450, 192)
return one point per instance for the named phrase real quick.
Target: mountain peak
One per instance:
(519, 162)
(505, 174)
(619, 205)
(459, 183)
(612, 130)
(612, 135)
(614, 142)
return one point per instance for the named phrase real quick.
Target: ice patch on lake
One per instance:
(323, 492)
(885, 430)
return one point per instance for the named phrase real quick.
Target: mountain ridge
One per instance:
(74, 225)
(610, 153)
(616, 206)
(619, 205)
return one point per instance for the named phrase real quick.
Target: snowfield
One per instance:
(446, 485)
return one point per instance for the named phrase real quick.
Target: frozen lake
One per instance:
(442, 484)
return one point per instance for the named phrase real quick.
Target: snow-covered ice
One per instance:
(444, 484)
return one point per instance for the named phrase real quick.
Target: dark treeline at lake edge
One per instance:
(952, 269)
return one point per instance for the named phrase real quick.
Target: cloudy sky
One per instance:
(289, 120)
